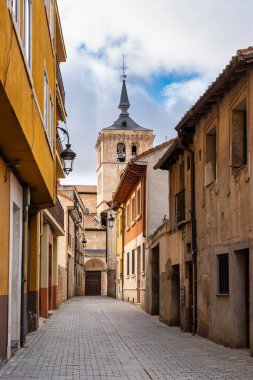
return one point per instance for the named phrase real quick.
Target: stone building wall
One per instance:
(62, 285)
(226, 214)
(109, 170)
(90, 201)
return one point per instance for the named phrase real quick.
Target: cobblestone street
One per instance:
(100, 338)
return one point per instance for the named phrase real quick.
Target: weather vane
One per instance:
(124, 68)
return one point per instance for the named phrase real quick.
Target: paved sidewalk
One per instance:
(100, 338)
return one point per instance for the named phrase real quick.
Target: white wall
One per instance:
(157, 191)
(15, 262)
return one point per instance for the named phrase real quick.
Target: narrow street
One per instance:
(100, 338)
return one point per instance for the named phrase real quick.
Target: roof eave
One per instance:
(234, 71)
(131, 176)
(169, 157)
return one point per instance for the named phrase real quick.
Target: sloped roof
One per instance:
(90, 189)
(124, 102)
(236, 69)
(91, 222)
(154, 149)
(126, 123)
(131, 176)
(170, 156)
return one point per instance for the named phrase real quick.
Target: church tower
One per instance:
(115, 147)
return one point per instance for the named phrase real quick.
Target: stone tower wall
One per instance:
(109, 170)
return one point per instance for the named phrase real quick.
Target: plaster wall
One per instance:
(130, 281)
(96, 239)
(15, 261)
(226, 220)
(24, 109)
(157, 190)
(89, 201)
(4, 257)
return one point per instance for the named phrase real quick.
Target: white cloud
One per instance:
(157, 36)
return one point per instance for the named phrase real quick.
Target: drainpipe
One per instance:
(194, 238)
(22, 317)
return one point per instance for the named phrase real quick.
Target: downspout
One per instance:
(22, 306)
(194, 238)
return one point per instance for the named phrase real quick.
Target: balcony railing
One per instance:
(58, 212)
(180, 206)
(60, 82)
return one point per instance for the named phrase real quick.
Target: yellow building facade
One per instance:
(31, 104)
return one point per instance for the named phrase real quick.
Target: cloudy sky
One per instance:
(174, 49)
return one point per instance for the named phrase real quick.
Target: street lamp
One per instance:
(111, 220)
(67, 154)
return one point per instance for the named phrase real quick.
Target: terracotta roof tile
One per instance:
(234, 70)
(91, 222)
(86, 188)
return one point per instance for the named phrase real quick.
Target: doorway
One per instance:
(15, 279)
(242, 298)
(93, 283)
(175, 295)
(155, 282)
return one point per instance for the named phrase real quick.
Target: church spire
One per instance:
(124, 102)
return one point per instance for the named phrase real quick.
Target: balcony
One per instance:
(60, 95)
(60, 82)
(58, 213)
(180, 207)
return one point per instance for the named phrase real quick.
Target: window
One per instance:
(133, 261)
(28, 30)
(128, 264)
(139, 202)
(45, 101)
(210, 165)
(134, 150)
(180, 197)
(128, 214)
(180, 206)
(143, 258)
(121, 152)
(51, 121)
(133, 209)
(239, 135)
(15, 9)
(51, 18)
(223, 274)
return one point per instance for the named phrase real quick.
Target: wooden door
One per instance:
(93, 283)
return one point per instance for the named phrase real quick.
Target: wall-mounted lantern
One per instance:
(67, 154)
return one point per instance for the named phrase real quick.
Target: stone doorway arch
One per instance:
(95, 277)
